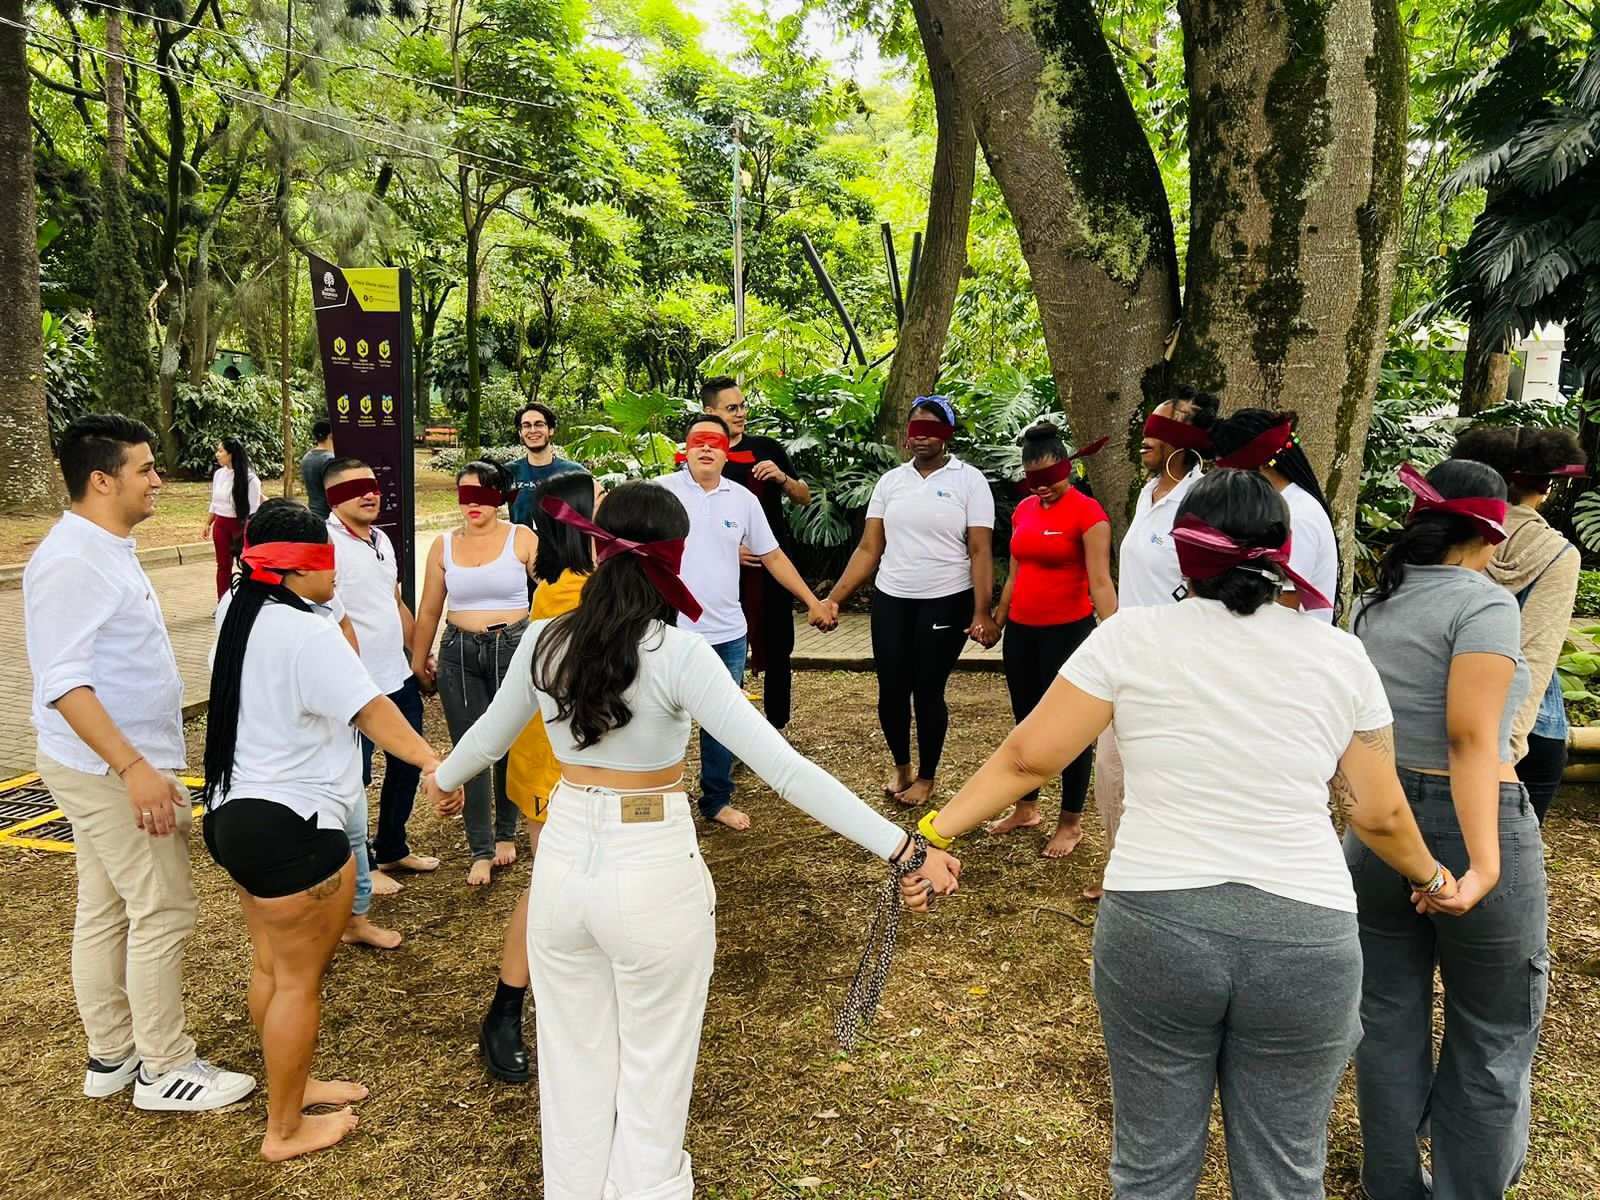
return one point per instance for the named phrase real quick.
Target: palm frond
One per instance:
(1553, 149)
(1586, 87)
(1503, 243)
(1542, 276)
(1477, 172)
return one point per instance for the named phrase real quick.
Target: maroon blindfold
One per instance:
(930, 429)
(352, 489)
(1485, 512)
(1044, 477)
(1205, 553)
(1261, 449)
(269, 562)
(469, 493)
(1176, 433)
(660, 560)
(737, 456)
(1541, 480)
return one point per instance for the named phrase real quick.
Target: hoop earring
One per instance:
(1167, 468)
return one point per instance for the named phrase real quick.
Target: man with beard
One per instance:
(536, 426)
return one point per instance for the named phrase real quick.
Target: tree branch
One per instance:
(66, 89)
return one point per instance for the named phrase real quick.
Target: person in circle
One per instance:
(1060, 581)
(1540, 568)
(1447, 642)
(929, 540)
(481, 572)
(235, 494)
(1258, 439)
(562, 565)
(1226, 955)
(622, 924)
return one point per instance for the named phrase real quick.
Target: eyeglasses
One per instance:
(735, 409)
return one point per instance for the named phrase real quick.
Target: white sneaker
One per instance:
(104, 1079)
(196, 1087)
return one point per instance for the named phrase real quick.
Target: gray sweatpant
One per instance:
(1224, 989)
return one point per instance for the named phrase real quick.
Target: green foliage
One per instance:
(126, 374)
(1588, 601)
(248, 409)
(69, 365)
(1586, 522)
(1576, 668)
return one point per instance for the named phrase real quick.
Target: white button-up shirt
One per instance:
(1148, 567)
(719, 521)
(367, 573)
(91, 619)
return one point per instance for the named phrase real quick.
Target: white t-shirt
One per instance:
(1313, 551)
(1230, 728)
(1148, 561)
(222, 492)
(367, 574)
(719, 522)
(300, 688)
(925, 523)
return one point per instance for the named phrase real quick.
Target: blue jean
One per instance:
(1495, 965)
(356, 828)
(400, 780)
(716, 760)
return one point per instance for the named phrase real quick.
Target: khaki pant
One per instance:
(136, 909)
(1108, 784)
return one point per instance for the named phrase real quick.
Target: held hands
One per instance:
(937, 876)
(427, 672)
(446, 804)
(983, 630)
(1458, 896)
(155, 799)
(824, 615)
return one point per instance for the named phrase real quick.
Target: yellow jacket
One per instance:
(532, 771)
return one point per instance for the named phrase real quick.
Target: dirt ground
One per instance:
(985, 1076)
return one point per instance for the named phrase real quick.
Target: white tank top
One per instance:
(500, 585)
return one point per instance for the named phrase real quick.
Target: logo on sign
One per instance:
(388, 406)
(361, 348)
(366, 406)
(328, 290)
(344, 406)
(383, 349)
(338, 345)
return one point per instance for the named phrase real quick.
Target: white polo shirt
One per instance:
(299, 689)
(367, 574)
(925, 523)
(1148, 561)
(91, 619)
(1313, 550)
(720, 521)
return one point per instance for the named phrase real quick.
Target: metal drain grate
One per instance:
(30, 820)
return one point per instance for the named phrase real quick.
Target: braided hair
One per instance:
(285, 521)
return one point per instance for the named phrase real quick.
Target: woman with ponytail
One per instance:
(1258, 439)
(282, 769)
(622, 930)
(1540, 568)
(1447, 641)
(1059, 582)
(235, 495)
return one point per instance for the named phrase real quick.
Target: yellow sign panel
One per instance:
(375, 289)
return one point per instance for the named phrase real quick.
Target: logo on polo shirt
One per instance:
(943, 495)
(729, 524)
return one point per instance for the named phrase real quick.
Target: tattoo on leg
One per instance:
(330, 885)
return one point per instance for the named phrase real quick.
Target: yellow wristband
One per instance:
(925, 828)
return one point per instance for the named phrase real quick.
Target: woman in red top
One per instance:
(1060, 579)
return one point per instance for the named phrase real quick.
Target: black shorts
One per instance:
(269, 849)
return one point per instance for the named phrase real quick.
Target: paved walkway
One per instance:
(187, 592)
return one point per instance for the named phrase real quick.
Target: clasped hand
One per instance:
(824, 615)
(1457, 897)
(446, 804)
(938, 876)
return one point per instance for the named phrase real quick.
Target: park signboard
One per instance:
(363, 319)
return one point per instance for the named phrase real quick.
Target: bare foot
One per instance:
(481, 871)
(903, 778)
(383, 885)
(419, 863)
(359, 931)
(332, 1091)
(315, 1132)
(731, 817)
(1064, 841)
(1023, 816)
(915, 796)
(505, 853)
(1093, 892)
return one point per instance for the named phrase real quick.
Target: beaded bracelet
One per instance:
(866, 987)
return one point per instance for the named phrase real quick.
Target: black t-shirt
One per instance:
(768, 492)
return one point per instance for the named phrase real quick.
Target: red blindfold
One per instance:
(352, 489)
(660, 560)
(1261, 449)
(270, 561)
(470, 493)
(1176, 433)
(1485, 512)
(1205, 553)
(1044, 477)
(930, 429)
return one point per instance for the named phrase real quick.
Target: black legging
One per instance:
(1540, 771)
(1033, 654)
(915, 644)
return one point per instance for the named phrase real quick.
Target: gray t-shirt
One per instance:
(1434, 615)
(312, 464)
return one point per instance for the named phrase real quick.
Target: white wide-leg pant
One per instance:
(621, 938)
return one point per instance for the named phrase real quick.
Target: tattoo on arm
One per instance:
(1341, 795)
(1379, 741)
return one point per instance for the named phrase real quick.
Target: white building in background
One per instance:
(1536, 371)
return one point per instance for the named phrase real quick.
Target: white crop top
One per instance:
(680, 676)
(500, 585)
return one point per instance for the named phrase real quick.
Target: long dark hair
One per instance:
(283, 521)
(239, 461)
(1428, 538)
(1234, 430)
(1248, 509)
(588, 658)
(561, 547)
(1524, 455)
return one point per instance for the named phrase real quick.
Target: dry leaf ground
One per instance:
(985, 1078)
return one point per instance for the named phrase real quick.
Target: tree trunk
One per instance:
(167, 369)
(1065, 145)
(1297, 125)
(915, 370)
(28, 480)
(116, 95)
(200, 308)
(1485, 374)
(471, 437)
